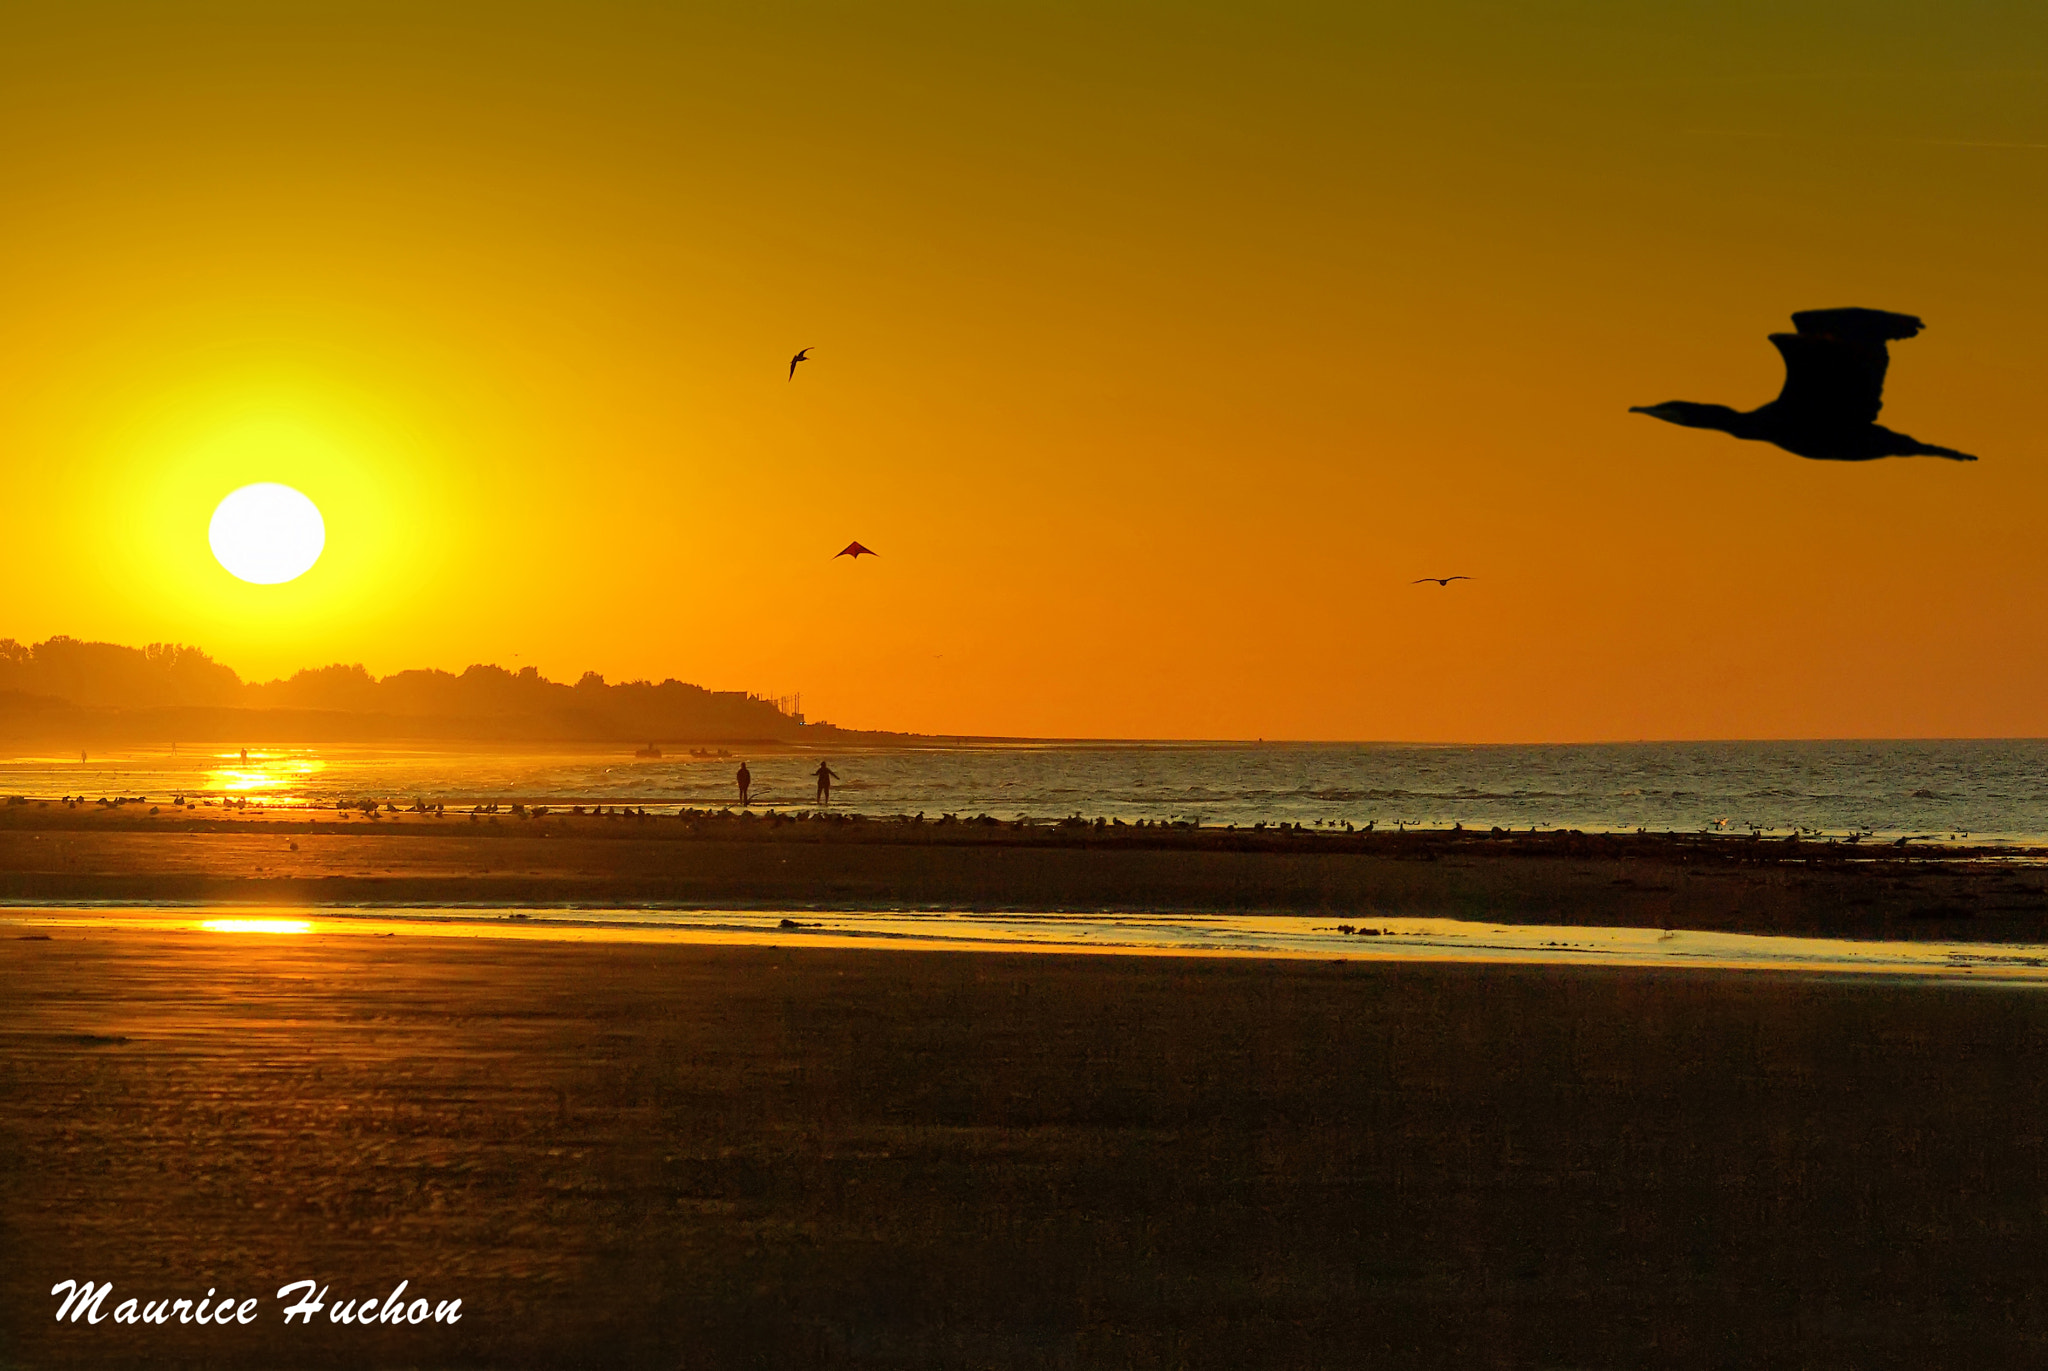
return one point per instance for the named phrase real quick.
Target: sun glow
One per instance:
(267, 533)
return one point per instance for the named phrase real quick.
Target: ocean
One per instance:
(1986, 791)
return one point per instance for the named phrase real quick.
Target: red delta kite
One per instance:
(856, 551)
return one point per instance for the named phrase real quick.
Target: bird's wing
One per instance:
(1423, 581)
(1864, 325)
(1831, 380)
(1835, 364)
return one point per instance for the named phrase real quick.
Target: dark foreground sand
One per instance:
(688, 1156)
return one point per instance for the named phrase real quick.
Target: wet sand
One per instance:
(661, 1156)
(1717, 883)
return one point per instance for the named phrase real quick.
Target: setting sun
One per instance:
(267, 533)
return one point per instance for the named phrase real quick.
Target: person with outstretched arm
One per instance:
(826, 776)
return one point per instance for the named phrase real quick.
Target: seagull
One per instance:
(1438, 580)
(1834, 387)
(855, 551)
(803, 356)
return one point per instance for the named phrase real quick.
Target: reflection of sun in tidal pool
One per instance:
(267, 533)
(265, 778)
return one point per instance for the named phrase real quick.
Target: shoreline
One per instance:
(1051, 933)
(710, 860)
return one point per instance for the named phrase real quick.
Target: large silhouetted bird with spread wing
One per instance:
(1834, 387)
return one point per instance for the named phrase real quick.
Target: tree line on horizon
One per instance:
(53, 680)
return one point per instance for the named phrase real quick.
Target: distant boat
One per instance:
(648, 751)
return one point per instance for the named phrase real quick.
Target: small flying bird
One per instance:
(1439, 580)
(803, 356)
(855, 551)
(1834, 387)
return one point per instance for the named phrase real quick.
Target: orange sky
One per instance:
(1157, 348)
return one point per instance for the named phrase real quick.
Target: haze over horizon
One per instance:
(1155, 350)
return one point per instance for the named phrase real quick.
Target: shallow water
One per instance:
(1989, 791)
(1396, 940)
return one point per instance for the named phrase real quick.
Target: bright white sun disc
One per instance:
(267, 533)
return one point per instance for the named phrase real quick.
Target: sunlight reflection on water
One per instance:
(1391, 940)
(256, 925)
(289, 778)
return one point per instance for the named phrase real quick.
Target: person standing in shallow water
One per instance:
(826, 776)
(746, 780)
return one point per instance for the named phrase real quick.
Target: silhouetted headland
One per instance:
(1834, 387)
(82, 693)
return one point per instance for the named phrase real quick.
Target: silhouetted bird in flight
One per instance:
(855, 551)
(1834, 387)
(1438, 580)
(803, 356)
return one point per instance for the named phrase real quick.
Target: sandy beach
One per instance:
(1724, 883)
(654, 1154)
(694, 1156)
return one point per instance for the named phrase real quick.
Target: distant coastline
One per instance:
(73, 694)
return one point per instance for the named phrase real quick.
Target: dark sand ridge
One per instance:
(1720, 883)
(661, 1156)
